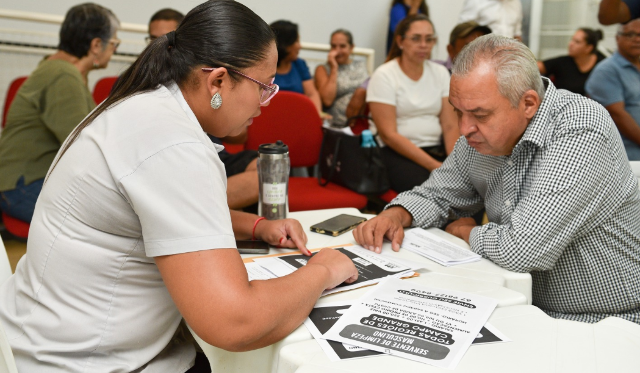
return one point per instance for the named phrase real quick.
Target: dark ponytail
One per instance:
(217, 33)
(592, 37)
(401, 30)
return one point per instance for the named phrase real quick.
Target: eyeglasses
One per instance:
(268, 91)
(629, 35)
(115, 43)
(429, 39)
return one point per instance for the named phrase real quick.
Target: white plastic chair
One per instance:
(7, 363)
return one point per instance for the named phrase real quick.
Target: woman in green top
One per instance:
(49, 105)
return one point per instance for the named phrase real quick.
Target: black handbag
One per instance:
(345, 162)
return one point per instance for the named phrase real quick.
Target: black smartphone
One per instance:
(252, 247)
(337, 225)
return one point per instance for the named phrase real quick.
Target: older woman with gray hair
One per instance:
(51, 103)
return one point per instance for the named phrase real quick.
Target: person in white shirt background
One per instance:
(503, 17)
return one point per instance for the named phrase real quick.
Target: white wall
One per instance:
(366, 19)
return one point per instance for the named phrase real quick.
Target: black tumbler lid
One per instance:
(277, 148)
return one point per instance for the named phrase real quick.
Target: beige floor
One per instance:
(15, 251)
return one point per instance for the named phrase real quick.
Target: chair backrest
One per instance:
(11, 93)
(292, 118)
(103, 88)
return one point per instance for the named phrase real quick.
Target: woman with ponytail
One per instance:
(132, 232)
(571, 72)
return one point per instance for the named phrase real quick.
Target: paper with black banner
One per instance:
(324, 316)
(371, 267)
(400, 318)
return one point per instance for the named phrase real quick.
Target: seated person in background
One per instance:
(50, 104)
(618, 11)
(132, 231)
(242, 173)
(571, 72)
(339, 77)
(408, 98)
(293, 73)
(503, 17)
(461, 35)
(549, 168)
(615, 84)
(241, 168)
(400, 9)
(163, 22)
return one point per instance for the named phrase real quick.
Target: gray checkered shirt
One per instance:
(563, 206)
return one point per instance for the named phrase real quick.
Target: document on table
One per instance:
(371, 267)
(438, 249)
(324, 316)
(400, 318)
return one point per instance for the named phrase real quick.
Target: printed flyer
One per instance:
(324, 316)
(400, 318)
(371, 267)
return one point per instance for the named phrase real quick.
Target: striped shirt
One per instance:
(563, 206)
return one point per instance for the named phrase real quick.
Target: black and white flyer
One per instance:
(400, 318)
(324, 316)
(371, 267)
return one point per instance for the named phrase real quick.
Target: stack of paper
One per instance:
(371, 267)
(436, 248)
(324, 316)
(401, 318)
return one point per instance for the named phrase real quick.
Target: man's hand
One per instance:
(389, 224)
(461, 228)
(283, 233)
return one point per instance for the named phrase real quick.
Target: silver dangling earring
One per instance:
(216, 101)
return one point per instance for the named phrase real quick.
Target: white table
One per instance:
(483, 277)
(539, 344)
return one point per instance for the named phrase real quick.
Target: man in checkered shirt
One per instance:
(550, 169)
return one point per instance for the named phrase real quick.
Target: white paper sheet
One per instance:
(436, 248)
(400, 318)
(371, 267)
(324, 316)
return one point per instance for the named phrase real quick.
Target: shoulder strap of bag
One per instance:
(333, 163)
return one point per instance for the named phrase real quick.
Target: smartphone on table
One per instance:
(252, 247)
(338, 225)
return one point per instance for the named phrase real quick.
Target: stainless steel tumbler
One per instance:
(273, 174)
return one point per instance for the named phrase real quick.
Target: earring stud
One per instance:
(216, 101)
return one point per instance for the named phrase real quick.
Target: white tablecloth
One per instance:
(483, 277)
(539, 344)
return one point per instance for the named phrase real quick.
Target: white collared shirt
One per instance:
(142, 180)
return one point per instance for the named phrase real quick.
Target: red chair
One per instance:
(292, 118)
(103, 88)
(233, 148)
(15, 226)
(389, 195)
(11, 93)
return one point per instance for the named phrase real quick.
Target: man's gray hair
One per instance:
(515, 67)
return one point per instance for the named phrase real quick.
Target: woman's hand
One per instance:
(331, 59)
(284, 233)
(339, 266)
